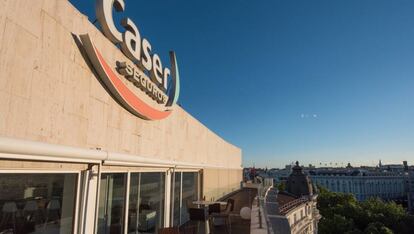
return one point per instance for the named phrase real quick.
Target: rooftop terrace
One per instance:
(243, 198)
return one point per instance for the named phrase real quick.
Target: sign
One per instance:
(143, 68)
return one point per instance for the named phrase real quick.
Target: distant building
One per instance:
(298, 183)
(393, 167)
(411, 191)
(280, 174)
(293, 211)
(363, 183)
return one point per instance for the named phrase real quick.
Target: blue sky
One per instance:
(315, 81)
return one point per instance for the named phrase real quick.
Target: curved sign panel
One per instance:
(143, 68)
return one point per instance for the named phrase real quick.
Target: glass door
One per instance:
(146, 202)
(185, 190)
(112, 203)
(189, 193)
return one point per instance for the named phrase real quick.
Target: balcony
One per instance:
(243, 197)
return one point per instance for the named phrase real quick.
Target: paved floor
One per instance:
(242, 198)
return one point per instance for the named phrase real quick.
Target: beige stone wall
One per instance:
(49, 94)
(219, 182)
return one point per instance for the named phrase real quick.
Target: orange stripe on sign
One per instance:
(128, 96)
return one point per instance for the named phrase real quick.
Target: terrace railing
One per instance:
(285, 208)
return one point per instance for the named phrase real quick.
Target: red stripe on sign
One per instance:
(128, 96)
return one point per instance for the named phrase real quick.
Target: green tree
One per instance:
(377, 228)
(335, 224)
(387, 213)
(281, 186)
(342, 213)
(406, 225)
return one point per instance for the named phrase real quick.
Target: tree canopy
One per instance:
(281, 186)
(342, 213)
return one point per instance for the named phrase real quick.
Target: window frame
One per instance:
(78, 173)
(127, 172)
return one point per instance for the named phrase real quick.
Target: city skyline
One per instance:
(316, 81)
(333, 165)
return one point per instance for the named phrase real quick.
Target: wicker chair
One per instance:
(225, 215)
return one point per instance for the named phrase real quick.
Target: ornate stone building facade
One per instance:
(294, 210)
(300, 206)
(363, 184)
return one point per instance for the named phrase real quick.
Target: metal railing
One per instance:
(275, 222)
(285, 208)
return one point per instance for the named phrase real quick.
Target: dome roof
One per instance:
(298, 183)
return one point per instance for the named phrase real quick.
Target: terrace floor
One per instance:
(242, 198)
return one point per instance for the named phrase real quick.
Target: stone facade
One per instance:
(299, 203)
(411, 191)
(288, 214)
(363, 186)
(48, 93)
(304, 218)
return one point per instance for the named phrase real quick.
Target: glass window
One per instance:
(189, 193)
(37, 203)
(176, 198)
(111, 203)
(146, 202)
(133, 202)
(185, 192)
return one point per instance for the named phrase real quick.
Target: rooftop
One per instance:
(242, 198)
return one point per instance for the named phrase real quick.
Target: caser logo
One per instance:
(139, 52)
